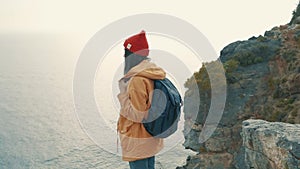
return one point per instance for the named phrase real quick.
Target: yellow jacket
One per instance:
(135, 100)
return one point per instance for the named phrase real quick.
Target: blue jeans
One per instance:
(147, 163)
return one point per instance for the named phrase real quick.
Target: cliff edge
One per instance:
(263, 82)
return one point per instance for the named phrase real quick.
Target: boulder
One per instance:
(271, 145)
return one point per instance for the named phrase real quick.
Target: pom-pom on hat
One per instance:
(137, 44)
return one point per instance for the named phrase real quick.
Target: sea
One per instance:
(39, 127)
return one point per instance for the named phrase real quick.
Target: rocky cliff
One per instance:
(263, 82)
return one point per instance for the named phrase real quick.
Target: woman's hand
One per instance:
(123, 86)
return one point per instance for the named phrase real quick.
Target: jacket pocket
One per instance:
(124, 125)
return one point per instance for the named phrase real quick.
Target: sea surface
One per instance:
(39, 127)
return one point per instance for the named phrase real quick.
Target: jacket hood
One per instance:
(146, 69)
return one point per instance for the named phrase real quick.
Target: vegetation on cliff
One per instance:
(263, 82)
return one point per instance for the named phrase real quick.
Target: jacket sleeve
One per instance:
(138, 92)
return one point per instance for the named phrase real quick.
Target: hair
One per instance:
(131, 60)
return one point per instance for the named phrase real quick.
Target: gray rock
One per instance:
(209, 161)
(271, 145)
(297, 20)
(263, 47)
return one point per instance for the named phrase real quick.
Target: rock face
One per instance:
(266, 145)
(271, 145)
(263, 82)
(296, 14)
(208, 161)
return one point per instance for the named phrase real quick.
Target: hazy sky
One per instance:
(221, 21)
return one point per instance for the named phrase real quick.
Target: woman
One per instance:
(138, 146)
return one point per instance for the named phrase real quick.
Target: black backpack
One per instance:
(165, 110)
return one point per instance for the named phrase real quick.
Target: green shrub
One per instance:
(202, 150)
(200, 78)
(247, 58)
(294, 113)
(290, 55)
(287, 103)
(271, 83)
(258, 60)
(261, 38)
(283, 80)
(231, 65)
(277, 116)
(276, 94)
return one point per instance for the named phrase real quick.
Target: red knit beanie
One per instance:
(137, 44)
